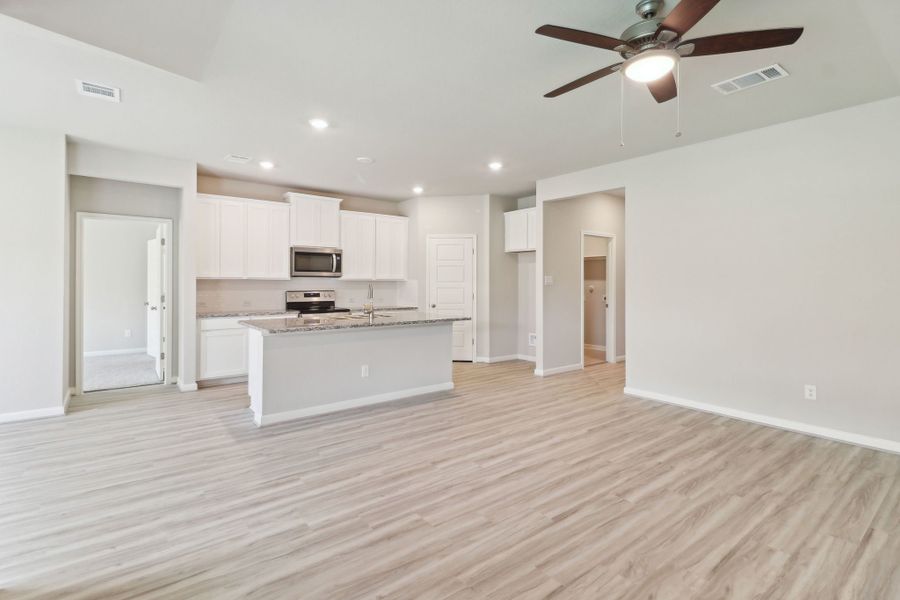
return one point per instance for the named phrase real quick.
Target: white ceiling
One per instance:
(432, 90)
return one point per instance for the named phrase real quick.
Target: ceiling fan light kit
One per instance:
(650, 65)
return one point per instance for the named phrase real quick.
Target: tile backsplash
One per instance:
(215, 295)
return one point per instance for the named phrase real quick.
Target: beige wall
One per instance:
(209, 184)
(504, 282)
(32, 271)
(526, 301)
(563, 224)
(787, 272)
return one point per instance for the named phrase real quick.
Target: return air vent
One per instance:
(97, 90)
(238, 158)
(749, 80)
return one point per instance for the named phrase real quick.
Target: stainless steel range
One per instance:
(312, 302)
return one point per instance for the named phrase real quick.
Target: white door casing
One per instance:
(450, 275)
(155, 304)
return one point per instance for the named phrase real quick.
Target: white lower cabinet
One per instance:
(223, 353)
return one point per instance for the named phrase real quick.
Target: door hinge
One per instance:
(162, 356)
(162, 241)
(162, 299)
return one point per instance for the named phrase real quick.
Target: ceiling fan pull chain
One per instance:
(621, 111)
(678, 99)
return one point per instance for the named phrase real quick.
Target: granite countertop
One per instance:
(241, 313)
(351, 321)
(263, 313)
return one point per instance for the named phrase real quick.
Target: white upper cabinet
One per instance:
(391, 247)
(358, 245)
(239, 238)
(315, 220)
(521, 230)
(207, 237)
(375, 247)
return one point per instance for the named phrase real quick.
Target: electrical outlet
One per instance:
(127, 333)
(809, 392)
(364, 372)
(532, 339)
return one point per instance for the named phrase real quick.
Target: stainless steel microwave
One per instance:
(315, 262)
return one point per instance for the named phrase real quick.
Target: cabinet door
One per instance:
(306, 216)
(258, 241)
(516, 230)
(531, 235)
(391, 247)
(279, 242)
(232, 238)
(207, 238)
(223, 353)
(329, 223)
(358, 245)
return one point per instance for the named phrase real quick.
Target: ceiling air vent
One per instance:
(749, 80)
(238, 158)
(97, 90)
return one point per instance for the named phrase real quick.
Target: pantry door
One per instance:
(451, 287)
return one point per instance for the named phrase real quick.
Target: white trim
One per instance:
(311, 411)
(474, 316)
(555, 370)
(594, 347)
(115, 352)
(777, 422)
(620, 358)
(187, 387)
(504, 358)
(168, 285)
(611, 290)
(69, 393)
(28, 415)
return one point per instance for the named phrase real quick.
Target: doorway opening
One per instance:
(450, 287)
(598, 295)
(123, 274)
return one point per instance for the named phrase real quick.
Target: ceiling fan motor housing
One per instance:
(648, 9)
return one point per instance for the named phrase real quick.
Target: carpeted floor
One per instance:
(118, 371)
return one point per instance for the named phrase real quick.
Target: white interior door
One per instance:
(451, 287)
(155, 301)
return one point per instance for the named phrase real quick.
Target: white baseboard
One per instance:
(594, 347)
(113, 352)
(528, 357)
(187, 387)
(206, 383)
(504, 358)
(262, 420)
(786, 424)
(620, 358)
(555, 370)
(28, 415)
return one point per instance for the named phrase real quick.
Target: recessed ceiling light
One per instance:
(318, 123)
(267, 164)
(418, 189)
(365, 160)
(495, 166)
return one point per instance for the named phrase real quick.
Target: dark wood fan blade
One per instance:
(580, 37)
(664, 88)
(685, 15)
(744, 40)
(583, 81)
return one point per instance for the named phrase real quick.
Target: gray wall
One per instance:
(33, 197)
(563, 224)
(94, 195)
(114, 259)
(504, 282)
(787, 252)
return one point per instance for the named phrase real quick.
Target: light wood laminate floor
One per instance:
(510, 486)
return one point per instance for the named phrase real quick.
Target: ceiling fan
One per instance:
(653, 46)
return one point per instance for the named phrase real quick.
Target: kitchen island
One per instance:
(300, 367)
